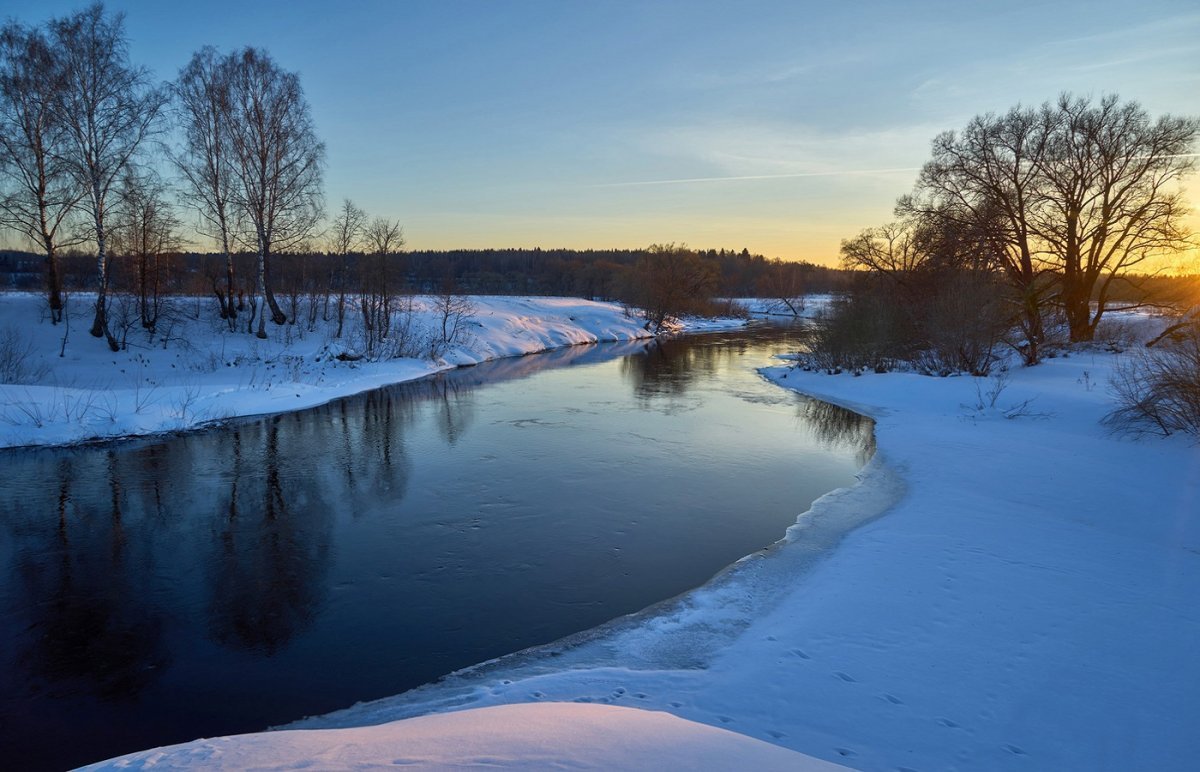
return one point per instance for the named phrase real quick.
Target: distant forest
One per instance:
(591, 273)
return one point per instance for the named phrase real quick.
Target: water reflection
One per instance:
(222, 581)
(671, 367)
(83, 636)
(836, 427)
(268, 560)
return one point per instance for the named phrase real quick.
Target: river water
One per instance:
(154, 591)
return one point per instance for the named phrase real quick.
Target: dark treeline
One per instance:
(592, 273)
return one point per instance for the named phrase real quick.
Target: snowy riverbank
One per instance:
(1026, 601)
(202, 372)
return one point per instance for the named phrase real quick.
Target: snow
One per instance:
(811, 306)
(537, 736)
(1025, 601)
(205, 373)
(1009, 586)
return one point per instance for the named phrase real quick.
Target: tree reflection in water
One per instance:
(223, 580)
(268, 566)
(836, 427)
(84, 637)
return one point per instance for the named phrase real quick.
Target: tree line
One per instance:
(592, 273)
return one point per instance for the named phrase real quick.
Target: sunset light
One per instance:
(636, 385)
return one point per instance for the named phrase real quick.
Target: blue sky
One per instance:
(536, 123)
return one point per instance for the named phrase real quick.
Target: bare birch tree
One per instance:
(108, 108)
(345, 237)
(383, 239)
(276, 160)
(202, 102)
(38, 194)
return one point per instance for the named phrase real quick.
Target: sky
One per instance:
(782, 127)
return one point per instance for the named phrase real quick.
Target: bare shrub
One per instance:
(184, 405)
(17, 358)
(933, 322)
(1158, 389)
(961, 326)
(452, 312)
(1117, 334)
(727, 307)
(123, 317)
(404, 338)
(865, 330)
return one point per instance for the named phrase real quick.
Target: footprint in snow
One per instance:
(893, 699)
(801, 654)
(847, 678)
(775, 734)
(1014, 750)
(947, 723)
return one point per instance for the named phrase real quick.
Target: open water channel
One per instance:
(222, 581)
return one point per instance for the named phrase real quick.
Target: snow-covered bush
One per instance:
(1158, 389)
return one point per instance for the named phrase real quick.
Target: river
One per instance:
(229, 579)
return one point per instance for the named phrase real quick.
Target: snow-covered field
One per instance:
(202, 372)
(1008, 587)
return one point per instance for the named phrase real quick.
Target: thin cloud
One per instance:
(797, 175)
(1145, 56)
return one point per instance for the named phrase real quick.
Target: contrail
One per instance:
(798, 175)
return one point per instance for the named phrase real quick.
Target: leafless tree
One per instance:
(784, 286)
(276, 160)
(1111, 197)
(986, 178)
(145, 228)
(202, 102)
(1066, 199)
(452, 311)
(670, 280)
(38, 194)
(377, 277)
(892, 250)
(346, 236)
(107, 107)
